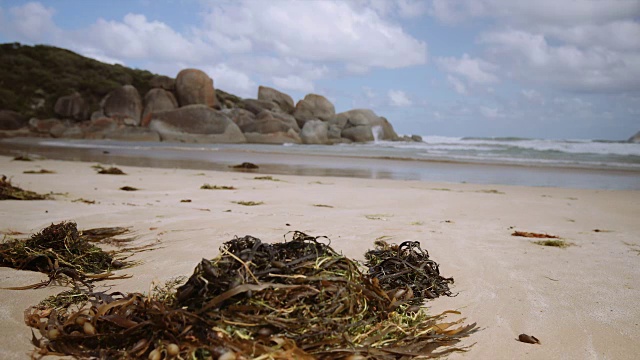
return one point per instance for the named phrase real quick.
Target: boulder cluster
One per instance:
(189, 109)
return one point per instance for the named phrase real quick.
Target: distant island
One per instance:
(52, 92)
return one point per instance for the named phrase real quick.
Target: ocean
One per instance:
(592, 164)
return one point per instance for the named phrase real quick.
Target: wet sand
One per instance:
(581, 301)
(317, 160)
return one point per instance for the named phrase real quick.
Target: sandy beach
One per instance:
(580, 301)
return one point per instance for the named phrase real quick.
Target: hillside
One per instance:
(32, 78)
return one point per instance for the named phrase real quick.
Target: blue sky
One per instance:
(545, 68)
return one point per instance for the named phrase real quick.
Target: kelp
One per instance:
(41, 171)
(407, 270)
(534, 235)
(129, 188)
(249, 203)
(216, 187)
(11, 192)
(245, 166)
(109, 171)
(298, 299)
(63, 252)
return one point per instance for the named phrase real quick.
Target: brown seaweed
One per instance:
(534, 235)
(11, 192)
(245, 166)
(216, 187)
(406, 272)
(63, 252)
(298, 299)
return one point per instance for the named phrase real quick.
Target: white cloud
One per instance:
(32, 22)
(136, 38)
(458, 85)
(490, 112)
(232, 80)
(399, 98)
(293, 82)
(532, 58)
(473, 69)
(317, 31)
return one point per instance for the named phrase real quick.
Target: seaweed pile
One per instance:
(407, 268)
(61, 251)
(298, 299)
(11, 192)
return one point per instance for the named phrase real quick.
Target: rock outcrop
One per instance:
(72, 107)
(314, 107)
(123, 103)
(163, 82)
(196, 124)
(257, 106)
(194, 86)
(284, 101)
(635, 138)
(11, 120)
(359, 124)
(315, 132)
(157, 100)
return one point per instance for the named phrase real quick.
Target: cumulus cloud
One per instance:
(473, 69)
(32, 22)
(293, 82)
(532, 58)
(135, 38)
(457, 84)
(399, 98)
(317, 31)
(232, 80)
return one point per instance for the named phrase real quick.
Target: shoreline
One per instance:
(308, 162)
(581, 302)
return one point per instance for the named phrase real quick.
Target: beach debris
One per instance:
(554, 243)
(529, 339)
(269, 178)
(245, 165)
(322, 205)
(110, 170)
(490, 191)
(129, 188)
(534, 235)
(22, 158)
(84, 201)
(41, 171)
(185, 200)
(297, 299)
(248, 203)
(63, 252)
(406, 272)
(382, 217)
(217, 187)
(10, 192)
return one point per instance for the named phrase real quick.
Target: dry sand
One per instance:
(581, 302)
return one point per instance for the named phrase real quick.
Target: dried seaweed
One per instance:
(63, 252)
(10, 192)
(248, 203)
(406, 272)
(110, 170)
(534, 235)
(554, 243)
(216, 187)
(269, 178)
(245, 165)
(298, 299)
(129, 188)
(41, 171)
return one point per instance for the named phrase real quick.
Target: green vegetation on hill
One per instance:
(32, 78)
